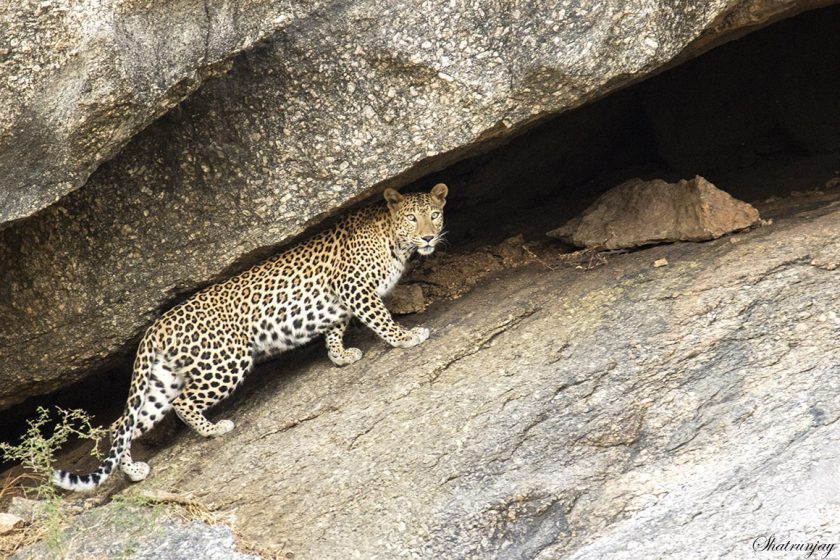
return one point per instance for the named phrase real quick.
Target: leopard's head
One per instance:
(418, 218)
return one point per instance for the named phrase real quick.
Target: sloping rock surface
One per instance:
(620, 412)
(79, 79)
(347, 96)
(637, 213)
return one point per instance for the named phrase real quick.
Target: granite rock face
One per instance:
(79, 79)
(622, 412)
(346, 99)
(131, 532)
(637, 213)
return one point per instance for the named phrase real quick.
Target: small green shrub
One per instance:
(36, 450)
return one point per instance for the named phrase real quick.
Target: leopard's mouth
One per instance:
(426, 250)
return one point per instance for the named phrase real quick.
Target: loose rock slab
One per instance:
(9, 522)
(406, 299)
(638, 213)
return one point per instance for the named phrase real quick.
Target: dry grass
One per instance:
(30, 533)
(14, 485)
(17, 539)
(190, 509)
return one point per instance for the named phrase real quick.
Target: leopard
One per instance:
(197, 353)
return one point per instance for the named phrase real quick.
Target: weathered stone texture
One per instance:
(79, 79)
(133, 532)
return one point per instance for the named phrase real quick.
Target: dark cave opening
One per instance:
(759, 117)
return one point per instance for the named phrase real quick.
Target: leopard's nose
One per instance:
(427, 238)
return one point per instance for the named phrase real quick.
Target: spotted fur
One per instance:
(198, 352)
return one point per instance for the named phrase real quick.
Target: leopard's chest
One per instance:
(392, 274)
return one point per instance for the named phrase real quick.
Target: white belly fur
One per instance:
(390, 280)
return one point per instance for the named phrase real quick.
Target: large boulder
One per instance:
(77, 81)
(348, 98)
(624, 411)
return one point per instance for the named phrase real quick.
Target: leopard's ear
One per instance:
(393, 198)
(439, 193)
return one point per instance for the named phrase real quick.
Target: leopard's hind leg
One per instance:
(211, 381)
(164, 385)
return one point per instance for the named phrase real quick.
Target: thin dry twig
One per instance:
(536, 257)
(14, 484)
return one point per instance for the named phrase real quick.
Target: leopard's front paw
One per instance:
(349, 356)
(222, 427)
(415, 336)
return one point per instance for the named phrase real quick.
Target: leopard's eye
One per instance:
(435, 215)
(411, 218)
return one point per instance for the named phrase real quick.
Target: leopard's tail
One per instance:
(120, 435)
